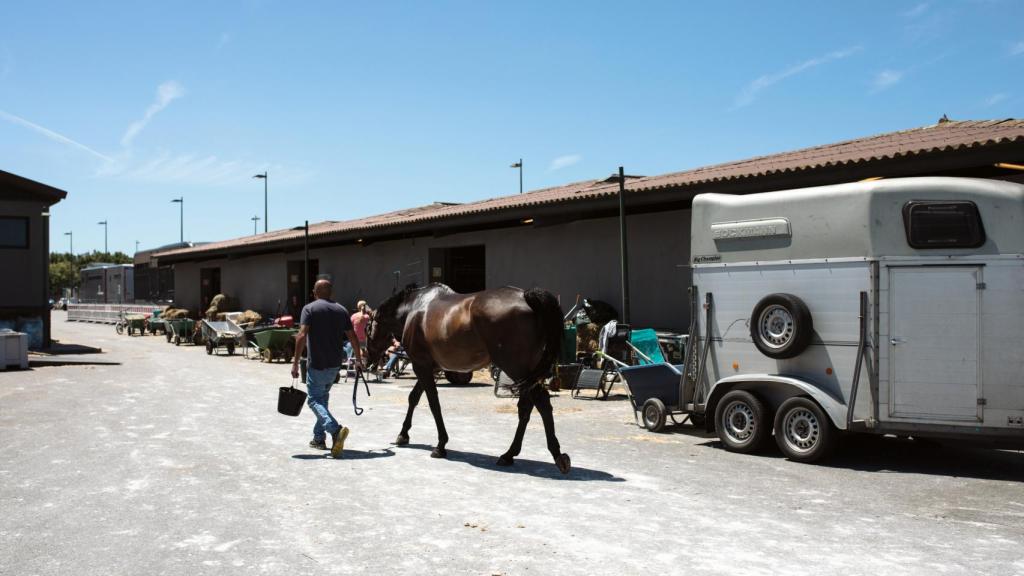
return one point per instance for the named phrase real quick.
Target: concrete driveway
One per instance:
(176, 462)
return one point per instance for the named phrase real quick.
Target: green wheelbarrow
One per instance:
(275, 343)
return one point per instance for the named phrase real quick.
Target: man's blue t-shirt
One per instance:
(327, 321)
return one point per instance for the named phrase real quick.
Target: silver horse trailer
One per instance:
(884, 307)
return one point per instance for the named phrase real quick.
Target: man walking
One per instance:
(324, 325)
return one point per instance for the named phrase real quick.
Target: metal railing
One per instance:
(106, 313)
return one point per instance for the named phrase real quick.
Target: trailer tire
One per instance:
(803, 431)
(654, 415)
(781, 326)
(742, 421)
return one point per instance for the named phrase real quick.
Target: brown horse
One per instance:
(518, 331)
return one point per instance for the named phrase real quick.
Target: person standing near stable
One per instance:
(360, 320)
(324, 325)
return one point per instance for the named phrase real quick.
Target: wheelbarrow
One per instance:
(135, 323)
(221, 333)
(275, 343)
(182, 330)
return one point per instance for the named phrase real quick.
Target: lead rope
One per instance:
(355, 388)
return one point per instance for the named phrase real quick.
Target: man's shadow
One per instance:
(523, 466)
(348, 455)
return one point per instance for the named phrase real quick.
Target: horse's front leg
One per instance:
(426, 376)
(525, 406)
(414, 399)
(543, 402)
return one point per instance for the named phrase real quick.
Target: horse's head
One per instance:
(387, 321)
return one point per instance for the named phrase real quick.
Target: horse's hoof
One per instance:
(505, 460)
(402, 440)
(438, 453)
(564, 463)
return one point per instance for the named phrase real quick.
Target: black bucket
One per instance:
(290, 400)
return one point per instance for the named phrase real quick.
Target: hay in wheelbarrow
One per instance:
(220, 304)
(174, 314)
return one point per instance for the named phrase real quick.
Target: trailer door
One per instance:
(934, 342)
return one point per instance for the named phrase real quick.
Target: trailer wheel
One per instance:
(654, 415)
(803, 431)
(742, 421)
(781, 326)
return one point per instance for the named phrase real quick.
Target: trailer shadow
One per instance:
(533, 468)
(908, 456)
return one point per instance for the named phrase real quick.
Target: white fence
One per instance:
(106, 313)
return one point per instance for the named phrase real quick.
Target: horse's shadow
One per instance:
(349, 455)
(524, 466)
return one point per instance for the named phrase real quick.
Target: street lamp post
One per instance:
(265, 215)
(181, 218)
(520, 166)
(305, 264)
(104, 224)
(71, 243)
(623, 249)
(254, 219)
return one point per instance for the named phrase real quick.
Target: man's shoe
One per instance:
(339, 442)
(318, 444)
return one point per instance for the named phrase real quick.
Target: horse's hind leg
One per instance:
(430, 387)
(543, 401)
(525, 407)
(414, 399)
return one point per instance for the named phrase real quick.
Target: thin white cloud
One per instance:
(1017, 49)
(55, 136)
(165, 94)
(564, 161)
(995, 99)
(751, 91)
(886, 79)
(916, 11)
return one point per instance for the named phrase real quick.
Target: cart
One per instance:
(182, 330)
(221, 333)
(274, 343)
(157, 324)
(135, 323)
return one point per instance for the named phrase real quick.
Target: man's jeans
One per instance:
(318, 385)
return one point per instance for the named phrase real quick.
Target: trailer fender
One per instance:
(774, 389)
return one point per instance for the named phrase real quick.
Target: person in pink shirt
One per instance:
(360, 320)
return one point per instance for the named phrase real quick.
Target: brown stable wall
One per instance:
(567, 259)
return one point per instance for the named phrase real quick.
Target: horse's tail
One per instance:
(549, 319)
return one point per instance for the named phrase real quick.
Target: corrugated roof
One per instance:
(945, 136)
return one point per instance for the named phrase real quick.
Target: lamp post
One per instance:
(136, 246)
(181, 218)
(623, 251)
(254, 219)
(305, 264)
(104, 224)
(71, 243)
(265, 215)
(520, 166)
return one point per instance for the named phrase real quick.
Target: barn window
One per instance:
(936, 224)
(13, 232)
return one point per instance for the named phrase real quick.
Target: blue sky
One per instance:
(361, 108)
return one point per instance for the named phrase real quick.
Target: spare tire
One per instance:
(781, 326)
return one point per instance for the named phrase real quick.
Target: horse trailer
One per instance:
(879, 307)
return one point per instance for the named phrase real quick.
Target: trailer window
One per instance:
(943, 224)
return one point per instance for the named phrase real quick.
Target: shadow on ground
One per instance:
(523, 466)
(348, 455)
(907, 456)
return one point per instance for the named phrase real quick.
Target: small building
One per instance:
(566, 238)
(25, 255)
(154, 283)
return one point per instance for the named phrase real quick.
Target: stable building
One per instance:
(566, 238)
(25, 255)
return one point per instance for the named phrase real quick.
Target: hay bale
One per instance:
(174, 314)
(220, 304)
(249, 317)
(588, 338)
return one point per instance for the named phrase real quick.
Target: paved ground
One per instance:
(176, 462)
